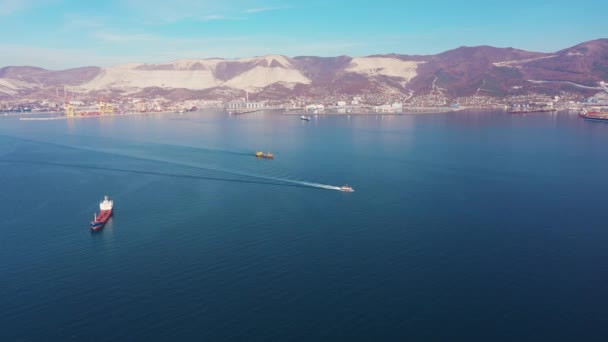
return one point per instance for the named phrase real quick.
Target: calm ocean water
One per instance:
(471, 226)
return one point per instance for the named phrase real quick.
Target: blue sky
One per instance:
(64, 33)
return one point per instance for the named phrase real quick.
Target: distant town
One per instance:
(81, 104)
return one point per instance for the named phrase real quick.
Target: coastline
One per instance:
(92, 116)
(411, 112)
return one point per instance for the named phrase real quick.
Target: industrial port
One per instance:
(72, 105)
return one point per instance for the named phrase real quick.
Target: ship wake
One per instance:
(154, 173)
(250, 177)
(320, 186)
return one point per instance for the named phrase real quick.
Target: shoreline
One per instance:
(372, 113)
(27, 117)
(49, 118)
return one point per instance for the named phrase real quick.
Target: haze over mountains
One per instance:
(465, 71)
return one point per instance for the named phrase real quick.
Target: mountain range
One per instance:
(465, 71)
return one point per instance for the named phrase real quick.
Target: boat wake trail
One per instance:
(264, 178)
(153, 173)
(142, 143)
(257, 178)
(320, 186)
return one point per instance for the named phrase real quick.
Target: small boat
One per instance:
(305, 118)
(346, 188)
(266, 155)
(105, 212)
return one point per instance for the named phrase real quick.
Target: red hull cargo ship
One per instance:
(105, 212)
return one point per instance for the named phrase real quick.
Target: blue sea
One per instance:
(467, 226)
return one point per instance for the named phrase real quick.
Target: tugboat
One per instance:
(346, 188)
(266, 155)
(305, 118)
(105, 212)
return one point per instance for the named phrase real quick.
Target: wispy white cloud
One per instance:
(216, 17)
(8, 7)
(168, 41)
(204, 10)
(175, 10)
(75, 21)
(208, 40)
(124, 38)
(265, 9)
(54, 58)
(14, 7)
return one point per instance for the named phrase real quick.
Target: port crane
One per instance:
(105, 108)
(69, 108)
